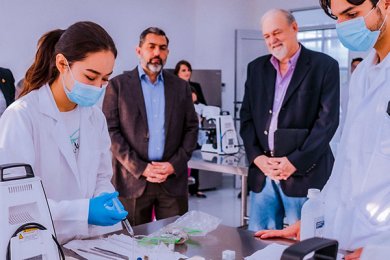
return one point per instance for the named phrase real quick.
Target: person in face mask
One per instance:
(55, 127)
(356, 199)
(361, 33)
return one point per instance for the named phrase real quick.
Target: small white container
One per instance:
(312, 216)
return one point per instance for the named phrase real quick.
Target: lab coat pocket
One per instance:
(368, 221)
(374, 208)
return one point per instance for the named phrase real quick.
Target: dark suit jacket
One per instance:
(125, 110)
(198, 90)
(311, 102)
(7, 85)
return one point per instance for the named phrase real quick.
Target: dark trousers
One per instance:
(165, 206)
(194, 188)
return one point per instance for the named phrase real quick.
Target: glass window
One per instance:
(312, 17)
(326, 41)
(313, 45)
(315, 35)
(335, 49)
(330, 33)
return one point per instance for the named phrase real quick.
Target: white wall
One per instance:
(25, 21)
(201, 31)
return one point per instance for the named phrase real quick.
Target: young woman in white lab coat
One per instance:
(56, 128)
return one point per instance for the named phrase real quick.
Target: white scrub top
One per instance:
(357, 195)
(33, 131)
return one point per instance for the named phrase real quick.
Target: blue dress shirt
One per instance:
(155, 112)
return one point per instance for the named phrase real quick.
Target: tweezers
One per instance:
(111, 253)
(95, 253)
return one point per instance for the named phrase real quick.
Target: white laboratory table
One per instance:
(236, 164)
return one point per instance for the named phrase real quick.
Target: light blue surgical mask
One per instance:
(355, 35)
(83, 94)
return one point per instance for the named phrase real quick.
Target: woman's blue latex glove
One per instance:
(101, 213)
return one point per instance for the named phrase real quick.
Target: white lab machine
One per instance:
(27, 230)
(222, 136)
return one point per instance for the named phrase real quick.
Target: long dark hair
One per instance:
(325, 4)
(178, 65)
(75, 43)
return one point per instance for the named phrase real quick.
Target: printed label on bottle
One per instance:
(319, 226)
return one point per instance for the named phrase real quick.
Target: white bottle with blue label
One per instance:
(312, 216)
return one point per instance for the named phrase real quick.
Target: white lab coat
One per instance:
(32, 131)
(357, 195)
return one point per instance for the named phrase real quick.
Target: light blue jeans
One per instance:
(269, 207)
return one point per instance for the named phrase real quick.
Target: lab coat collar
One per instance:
(48, 107)
(370, 66)
(383, 65)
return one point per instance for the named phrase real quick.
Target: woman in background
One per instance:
(55, 127)
(183, 70)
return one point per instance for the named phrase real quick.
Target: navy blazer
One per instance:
(311, 102)
(7, 85)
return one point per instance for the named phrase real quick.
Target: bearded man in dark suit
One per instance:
(153, 128)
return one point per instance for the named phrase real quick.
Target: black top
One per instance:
(7, 85)
(198, 90)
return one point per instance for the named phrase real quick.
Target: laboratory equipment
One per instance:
(221, 133)
(27, 229)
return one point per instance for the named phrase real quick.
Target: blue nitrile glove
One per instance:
(113, 203)
(101, 213)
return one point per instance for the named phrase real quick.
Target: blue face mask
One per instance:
(83, 94)
(355, 35)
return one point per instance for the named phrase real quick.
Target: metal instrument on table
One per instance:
(125, 221)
